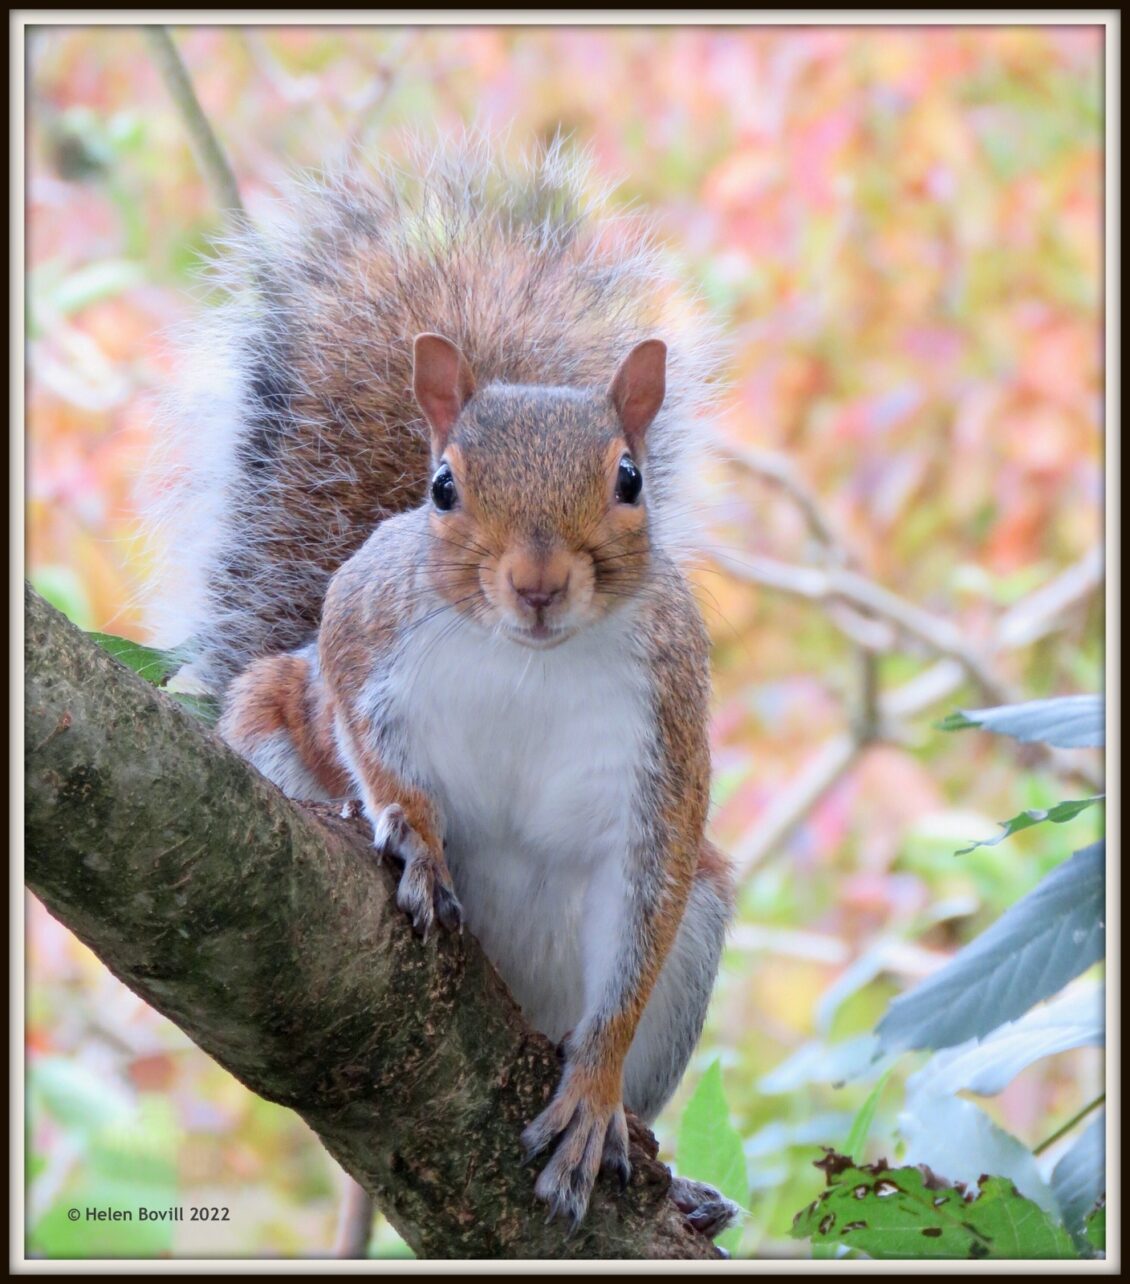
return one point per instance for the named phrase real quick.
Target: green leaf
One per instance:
(1068, 722)
(892, 1213)
(861, 1125)
(709, 1148)
(1059, 815)
(158, 667)
(154, 666)
(1094, 1226)
(1030, 952)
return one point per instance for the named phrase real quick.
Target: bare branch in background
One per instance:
(875, 619)
(781, 472)
(206, 146)
(789, 808)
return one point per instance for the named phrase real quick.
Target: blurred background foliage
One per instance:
(901, 232)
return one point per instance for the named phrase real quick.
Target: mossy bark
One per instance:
(267, 932)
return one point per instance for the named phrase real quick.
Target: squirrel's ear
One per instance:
(638, 388)
(443, 384)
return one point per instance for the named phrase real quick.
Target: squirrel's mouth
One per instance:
(539, 635)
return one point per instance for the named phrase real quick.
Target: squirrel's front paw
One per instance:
(594, 1138)
(425, 892)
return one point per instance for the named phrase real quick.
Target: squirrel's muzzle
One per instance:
(538, 590)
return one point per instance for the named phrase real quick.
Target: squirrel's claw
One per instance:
(614, 1161)
(447, 907)
(425, 892)
(707, 1210)
(592, 1138)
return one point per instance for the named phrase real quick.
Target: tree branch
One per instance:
(268, 934)
(209, 151)
(872, 617)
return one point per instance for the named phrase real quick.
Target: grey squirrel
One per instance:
(431, 535)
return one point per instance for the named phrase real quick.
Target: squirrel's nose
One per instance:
(538, 596)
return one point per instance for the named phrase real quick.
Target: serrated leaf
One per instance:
(1094, 1227)
(1029, 953)
(152, 665)
(1074, 1019)
(892, 1213)
(1067, 722)
(1079, 1178)
(958, 1138)
(1059, 815)
(709, 1148)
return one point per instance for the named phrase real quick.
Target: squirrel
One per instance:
(443, 434)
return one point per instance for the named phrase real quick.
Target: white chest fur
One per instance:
(534, 757)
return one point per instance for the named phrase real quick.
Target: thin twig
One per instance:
(836, 584)
(205, 145)
(1049, 1142)
(783, 815)
(1036, 615)
(1027, 621)
(779, 470)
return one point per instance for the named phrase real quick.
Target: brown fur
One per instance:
(275, 694)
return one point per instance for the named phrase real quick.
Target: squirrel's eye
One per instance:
(443, 488)
(629, 481)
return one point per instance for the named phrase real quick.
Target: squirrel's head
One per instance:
(538, 501)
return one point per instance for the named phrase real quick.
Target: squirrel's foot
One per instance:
(707, 1210)
(594, 1138)
(425, 892)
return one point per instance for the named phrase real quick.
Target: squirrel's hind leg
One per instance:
(672, 1022)
(673, 1018)
(274, 717)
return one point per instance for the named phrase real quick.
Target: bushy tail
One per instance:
(293, 432)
